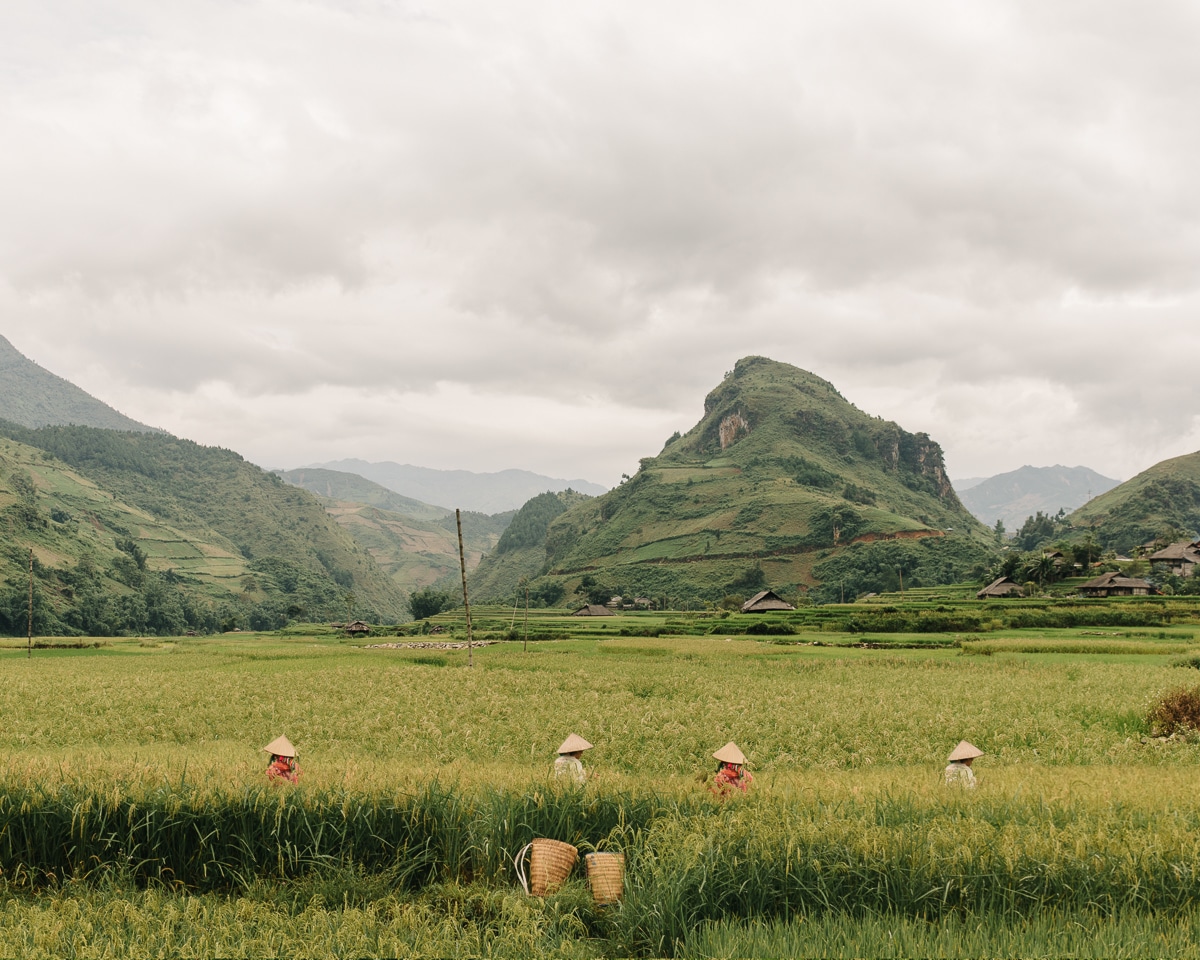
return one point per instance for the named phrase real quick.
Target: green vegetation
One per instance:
(426, 603)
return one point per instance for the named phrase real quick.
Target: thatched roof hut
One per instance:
(594, 610)
(358, 627)
(765, 602)
(1003, 587)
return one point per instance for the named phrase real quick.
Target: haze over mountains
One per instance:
(482, 492)
(1012, 497)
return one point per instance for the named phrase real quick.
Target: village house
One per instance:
(1181, 558)
(1116, 584)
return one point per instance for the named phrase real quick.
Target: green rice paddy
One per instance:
(134, 817)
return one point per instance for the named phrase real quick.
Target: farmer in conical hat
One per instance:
(568, 763)
(731, 771)
(282, 764)
(958, 770)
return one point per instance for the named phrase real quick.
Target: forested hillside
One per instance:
(520, 555)
(140, 532)
(34, 397)
(1161, 502)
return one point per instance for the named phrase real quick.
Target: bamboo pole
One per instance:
(29, 644)
(462, 565)
(525, 648)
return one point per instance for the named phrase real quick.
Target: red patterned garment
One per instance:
(283, 768)
(729, 776)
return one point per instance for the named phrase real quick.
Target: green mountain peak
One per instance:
(780, 474)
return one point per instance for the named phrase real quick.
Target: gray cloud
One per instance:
(219, 216)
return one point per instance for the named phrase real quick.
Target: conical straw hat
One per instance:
(730, 754)
(280, 747)
(574, 742)
(965, 751)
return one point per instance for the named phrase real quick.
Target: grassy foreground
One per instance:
(134, 819)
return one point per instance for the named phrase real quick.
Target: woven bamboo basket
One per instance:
(606, 874)
(549, 865)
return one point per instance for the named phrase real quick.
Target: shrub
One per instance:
(1176, 710)
(765, 628)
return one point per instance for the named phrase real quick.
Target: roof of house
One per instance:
(766, 600)
(1183, 550)
(1114, 579)
(593, 610)
(358, 626)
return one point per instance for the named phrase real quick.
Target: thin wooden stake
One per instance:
(525, 649)
(29, 646)
(462, 565)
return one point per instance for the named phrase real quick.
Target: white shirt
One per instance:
(959, 774)
(569, 766)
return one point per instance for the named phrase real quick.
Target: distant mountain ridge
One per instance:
(1012, 497)
(414, 543)
(464, 489)
(351, 488)
(31, 396)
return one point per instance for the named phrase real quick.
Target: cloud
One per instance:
(959, 214)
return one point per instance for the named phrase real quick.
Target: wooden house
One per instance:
(358, 628)
(1181, 558)
(1116, 584)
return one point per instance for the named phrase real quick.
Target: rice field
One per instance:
(134, 818)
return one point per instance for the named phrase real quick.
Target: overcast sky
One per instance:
(534, 234)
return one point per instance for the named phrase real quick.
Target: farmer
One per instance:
(568, 763)
(731, 771)
(282, 765)
(958, 770)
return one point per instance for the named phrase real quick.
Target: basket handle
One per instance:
(519, 863)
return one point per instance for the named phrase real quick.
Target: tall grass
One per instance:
(894, 855)
(1043, 934)
(218, 840)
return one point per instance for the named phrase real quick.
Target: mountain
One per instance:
(352, 488)
(1163, 501)
(414, 543)
(1012, 497)
(966, 483)
(782, 483)
(482, 492)
(33, 397)
(145, 532)
(520, 554)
